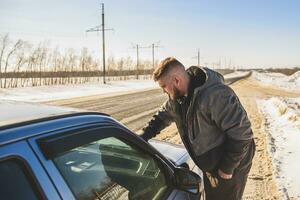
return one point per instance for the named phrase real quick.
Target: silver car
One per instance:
(54, 153)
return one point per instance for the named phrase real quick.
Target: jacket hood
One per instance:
(204, 77)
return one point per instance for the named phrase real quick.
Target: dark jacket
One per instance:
(211, 121)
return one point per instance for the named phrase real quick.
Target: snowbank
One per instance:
(49, 93)
(280, 80)
(283, 125)
(235, 74)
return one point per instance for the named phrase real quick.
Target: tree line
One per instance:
(24, 64)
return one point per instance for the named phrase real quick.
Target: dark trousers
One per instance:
(230, 189)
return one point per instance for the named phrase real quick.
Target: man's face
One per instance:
(168, 84)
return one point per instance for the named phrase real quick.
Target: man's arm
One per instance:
(159, 121)
(230, 116)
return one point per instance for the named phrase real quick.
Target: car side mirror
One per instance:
(187, 180)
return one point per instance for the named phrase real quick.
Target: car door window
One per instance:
(111, 169)
(16, 182)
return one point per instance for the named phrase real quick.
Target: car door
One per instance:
(22, 176)
(105, 162)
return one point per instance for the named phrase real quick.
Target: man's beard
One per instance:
(176, 94)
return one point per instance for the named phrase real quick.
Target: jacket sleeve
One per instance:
(229, 115)
(162, 119)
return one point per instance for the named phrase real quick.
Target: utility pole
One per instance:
(138, 47)
(102, 29)
(103, 43)
(198, 58)
(137, 61)
(153, 46)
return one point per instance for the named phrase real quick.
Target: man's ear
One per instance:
(176, 80)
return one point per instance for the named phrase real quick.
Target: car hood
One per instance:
(174, 152)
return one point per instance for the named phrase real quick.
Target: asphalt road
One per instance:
(133, 109)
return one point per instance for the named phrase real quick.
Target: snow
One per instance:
(291, 82)
(50, 93)
(236, 74)
(283, 127)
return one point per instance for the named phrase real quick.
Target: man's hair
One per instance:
(165, 67)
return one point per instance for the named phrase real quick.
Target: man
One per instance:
(212, 123)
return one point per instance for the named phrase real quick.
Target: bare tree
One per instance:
(20, 61)
(15, 47)
(4, 44)
(71, 63)
(128, 63)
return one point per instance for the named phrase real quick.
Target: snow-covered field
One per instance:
(279, 80)
(283, 126)
(49, 93)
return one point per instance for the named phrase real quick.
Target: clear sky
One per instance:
(252, 33)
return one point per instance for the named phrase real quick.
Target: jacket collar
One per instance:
(197, 78)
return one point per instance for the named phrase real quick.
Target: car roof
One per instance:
(20, 120)
(13, 112)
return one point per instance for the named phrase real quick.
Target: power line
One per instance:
(153, 46)
(42, 34)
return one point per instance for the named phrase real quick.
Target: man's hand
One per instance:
(213, 180)
(223, 175)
